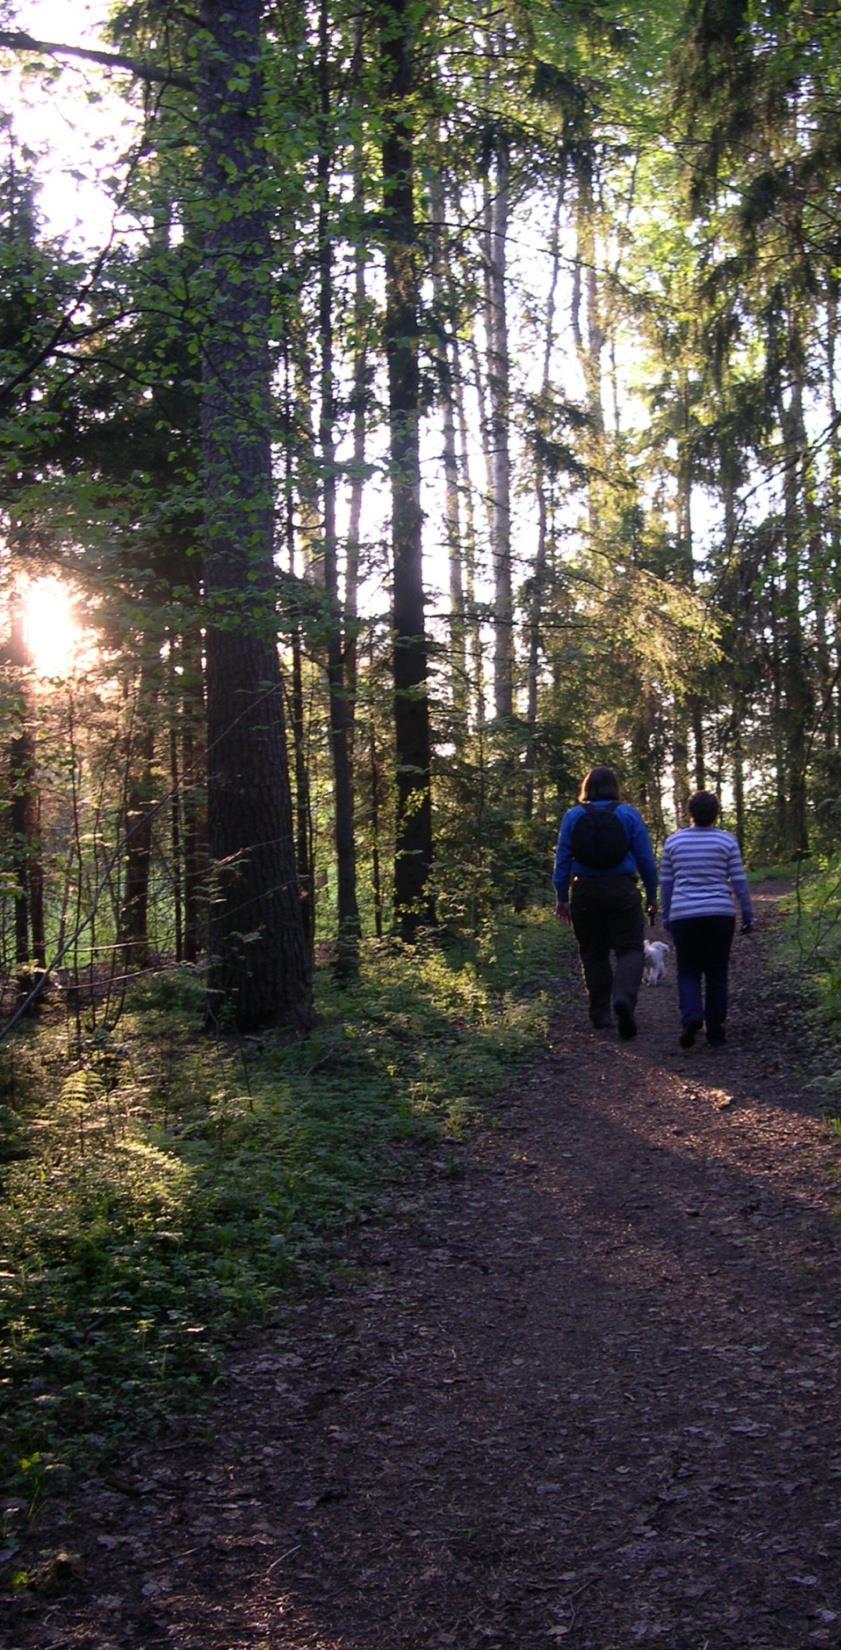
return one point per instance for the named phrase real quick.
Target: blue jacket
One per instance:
(639, 859)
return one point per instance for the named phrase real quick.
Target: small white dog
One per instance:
(656, 956)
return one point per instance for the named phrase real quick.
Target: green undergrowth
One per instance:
(162, 1187)
(809, 945)
(776, 871)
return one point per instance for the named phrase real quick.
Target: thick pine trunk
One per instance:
(413, 904)
(259, 972)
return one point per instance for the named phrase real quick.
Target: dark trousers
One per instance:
(607, 917)
(702, 946)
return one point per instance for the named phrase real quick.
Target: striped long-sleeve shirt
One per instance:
(702, 875)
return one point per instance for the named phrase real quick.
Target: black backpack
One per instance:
(599, 839)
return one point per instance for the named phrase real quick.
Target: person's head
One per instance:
(703, 808)
(599, 785)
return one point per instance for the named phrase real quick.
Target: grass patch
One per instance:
(161, 1188)
(777, 871)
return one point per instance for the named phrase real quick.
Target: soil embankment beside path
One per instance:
(581, 1390)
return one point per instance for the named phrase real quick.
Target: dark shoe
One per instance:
(600, 1019)
(625, 1021)
(689, 1033)
(717, 1039)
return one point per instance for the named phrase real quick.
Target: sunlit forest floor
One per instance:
(580, 1387)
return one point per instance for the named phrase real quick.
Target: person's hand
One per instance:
(747, 926)
(651, 910)
(562, 912)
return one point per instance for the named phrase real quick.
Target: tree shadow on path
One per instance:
(584, 1394)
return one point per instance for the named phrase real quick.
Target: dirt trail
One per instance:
(584, 1393)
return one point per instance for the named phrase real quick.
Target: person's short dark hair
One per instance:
(703, 808)
(599, 785)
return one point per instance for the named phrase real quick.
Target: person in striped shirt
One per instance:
(701, 879)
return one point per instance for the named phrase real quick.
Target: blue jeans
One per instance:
(702, 946)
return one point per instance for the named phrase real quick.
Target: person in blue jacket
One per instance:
(603, 847)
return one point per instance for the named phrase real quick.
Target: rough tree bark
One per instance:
(259, 969)
(413, 902)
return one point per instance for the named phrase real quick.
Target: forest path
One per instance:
(584, 1393)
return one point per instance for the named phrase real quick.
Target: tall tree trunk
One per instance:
(472, 617)
(304, 848)
(694, 708)
(358, 400)
(176, 836)
(413, 903)
(347, 939)
(589, 340)
(497, 207)
(259, 966)
(139, 814)
(742, 604)
(776, 657)
(193, 782)
(644, 746)
(818, 578)
(834, 484)
(540, 482)
(443, 315)
(796, 685)
(359, 396)
(24, 810)
(375, 779)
